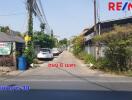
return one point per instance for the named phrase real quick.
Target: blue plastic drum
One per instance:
(22, 64)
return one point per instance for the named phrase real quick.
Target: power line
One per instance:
(48, 28)
(39, 13)
(43, 12)
(38, 8)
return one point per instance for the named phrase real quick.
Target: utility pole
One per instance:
(52, 33)
(30, 17)
(97, 48)
(95, 18)
(98, 17)
(29, 36)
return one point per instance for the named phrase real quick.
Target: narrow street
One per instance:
(55, 50)
(75, 82)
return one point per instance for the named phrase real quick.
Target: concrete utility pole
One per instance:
(29, 35)
(97, 48)
(52, 33)
(95, 18)
(30, 17)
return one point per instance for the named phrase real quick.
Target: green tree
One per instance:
(42, 26)
(119, 47)
(44, 40)
(78, 44)
(5, 29)
(63, 42)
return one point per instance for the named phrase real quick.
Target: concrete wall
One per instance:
(95, 51)
(91, 50)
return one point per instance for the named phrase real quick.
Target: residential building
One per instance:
(10, 46)
(103, 27)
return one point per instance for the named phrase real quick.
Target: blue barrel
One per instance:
(22, 64)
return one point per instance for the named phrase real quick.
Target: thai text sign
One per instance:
(5, 48)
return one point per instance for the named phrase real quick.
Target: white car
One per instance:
(45, 53)
(55, 51)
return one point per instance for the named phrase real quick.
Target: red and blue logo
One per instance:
(120, 6)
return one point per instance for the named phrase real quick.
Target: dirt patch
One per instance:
(5, 70)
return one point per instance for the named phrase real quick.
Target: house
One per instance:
(102, 27)
(11, 46)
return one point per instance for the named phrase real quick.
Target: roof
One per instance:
(110, 23)
(113, 20)
(10, 38)
(84, 31)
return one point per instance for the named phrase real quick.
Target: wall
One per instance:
(95, 51)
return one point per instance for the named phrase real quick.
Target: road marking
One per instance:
(43, 81)
(46, 80)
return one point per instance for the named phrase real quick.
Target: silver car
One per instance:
(45, 53)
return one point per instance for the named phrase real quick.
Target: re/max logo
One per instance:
(120, 6)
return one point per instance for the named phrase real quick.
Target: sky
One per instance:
(67, 18)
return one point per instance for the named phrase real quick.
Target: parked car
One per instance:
(60, 50)
(45, 53)
(55, 51)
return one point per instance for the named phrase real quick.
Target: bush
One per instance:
(78, 45)
(103, 64)
(81, 55)
(119, 58)
(29, 54)
(76, 50)
(87, 57)
(119, 48)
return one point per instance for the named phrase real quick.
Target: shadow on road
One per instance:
(66, 95)
(42, 59)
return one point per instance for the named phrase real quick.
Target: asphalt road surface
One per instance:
(67, 78)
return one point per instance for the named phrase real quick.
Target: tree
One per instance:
(78, 44)
(42, 26)
(119, 47)
(63, 42)
(5, 29)
(44, 40)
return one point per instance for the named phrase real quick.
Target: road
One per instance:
(71, 81)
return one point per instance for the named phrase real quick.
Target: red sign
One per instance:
(119, 6)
